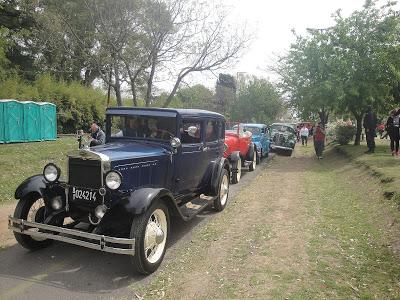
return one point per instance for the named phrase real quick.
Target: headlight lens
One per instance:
(51, 172)
(113, 180)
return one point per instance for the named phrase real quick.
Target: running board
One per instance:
(194, 207)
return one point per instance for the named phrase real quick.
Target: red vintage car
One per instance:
(240, 151)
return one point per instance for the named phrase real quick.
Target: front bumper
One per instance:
(274, 147)
(72, 236)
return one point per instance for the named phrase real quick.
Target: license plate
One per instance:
(82, 194)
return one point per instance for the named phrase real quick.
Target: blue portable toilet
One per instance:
(48, 121)
(32, 121)
(12, 121)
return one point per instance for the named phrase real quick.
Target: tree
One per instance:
(309, 76)
(225, 93)
(197, 96)
(16, 25)
(345, 68)
(366, 45)
(259, 101)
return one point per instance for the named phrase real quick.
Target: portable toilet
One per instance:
(13, 116)
(31, 121)
(2, 137)
(48, 121)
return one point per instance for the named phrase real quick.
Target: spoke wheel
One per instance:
(237, 174)
(150, 231)
(253, 164)
(31, 208)
(222, 199)
(155, 236)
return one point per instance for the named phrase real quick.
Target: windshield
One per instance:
(254, 130)
(282, 128)
(141, 127)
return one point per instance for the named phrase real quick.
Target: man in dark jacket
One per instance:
(370, 123)
(98, 135)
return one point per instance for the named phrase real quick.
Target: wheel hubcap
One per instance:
(224, 189)
(155, 236)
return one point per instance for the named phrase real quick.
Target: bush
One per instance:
(77, 105)
(344, 133)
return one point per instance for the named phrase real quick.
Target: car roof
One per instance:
(167, 112)
(254, 125)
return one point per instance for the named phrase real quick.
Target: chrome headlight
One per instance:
(51, 172)
(113, 180)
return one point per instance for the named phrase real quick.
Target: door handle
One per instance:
(206, 149)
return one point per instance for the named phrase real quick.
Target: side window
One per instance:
(190, 132)
(212, 131)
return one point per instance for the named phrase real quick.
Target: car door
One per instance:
(214, 145)
(191, 160)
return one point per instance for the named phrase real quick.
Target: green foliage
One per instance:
(259, 101)
(197, 96)
(345, 68)
(343, 132)
(77, 105)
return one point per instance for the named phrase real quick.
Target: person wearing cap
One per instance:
(98, 136)
(370, 123)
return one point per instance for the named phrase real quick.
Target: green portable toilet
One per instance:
(2, 138)
(31, 121)
(48, 121)
(13, 115)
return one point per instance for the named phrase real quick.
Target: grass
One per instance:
(381, 164)
(19, 161)
(350, 249)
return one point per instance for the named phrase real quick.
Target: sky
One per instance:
(271, 22)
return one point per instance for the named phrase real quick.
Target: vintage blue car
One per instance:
(260, 138)
(119, 197)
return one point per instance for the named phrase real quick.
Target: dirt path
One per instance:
(6, 236)
(259, 240)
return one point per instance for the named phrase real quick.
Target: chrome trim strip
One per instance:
(281, 147)
(98, 241)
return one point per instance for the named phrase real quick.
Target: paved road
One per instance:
(65, 271)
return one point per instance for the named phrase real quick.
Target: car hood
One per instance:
(256, 138)
(130, 150)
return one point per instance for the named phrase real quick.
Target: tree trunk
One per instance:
(150, 81)
(359, 129)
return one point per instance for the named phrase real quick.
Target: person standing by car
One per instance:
(392, 129)
(319, 140)
(370, 123)
(304, 135)
(98, 135)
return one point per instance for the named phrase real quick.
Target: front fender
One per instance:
(217, 170)
(33, 184)
(140, 200)
(117, 221)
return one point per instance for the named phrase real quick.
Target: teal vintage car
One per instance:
(283, 138)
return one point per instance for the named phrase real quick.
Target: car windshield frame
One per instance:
(114, 137)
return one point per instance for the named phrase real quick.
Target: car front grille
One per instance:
(84, 173)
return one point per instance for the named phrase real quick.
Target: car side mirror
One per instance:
(175, 143)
